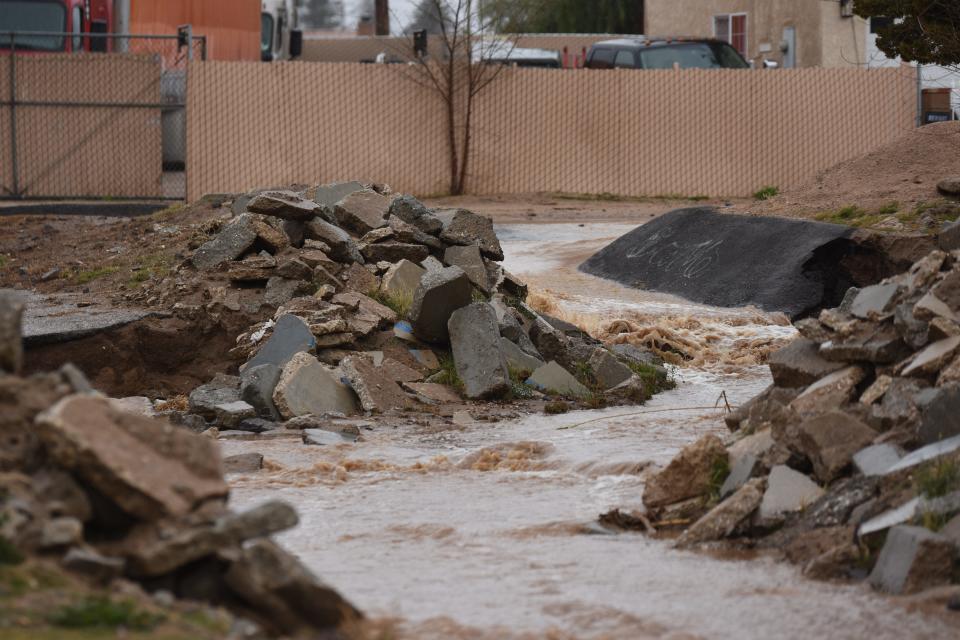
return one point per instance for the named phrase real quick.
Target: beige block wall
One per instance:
(624, 132)
(90, 151)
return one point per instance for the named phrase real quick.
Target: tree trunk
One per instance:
(465, 151)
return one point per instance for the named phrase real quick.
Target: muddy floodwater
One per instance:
(486, 530)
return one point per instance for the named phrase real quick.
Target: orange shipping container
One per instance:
(232, 27)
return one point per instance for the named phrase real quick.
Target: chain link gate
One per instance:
(94, 125)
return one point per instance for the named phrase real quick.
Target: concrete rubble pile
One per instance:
(368, 294)
(117, 498)
(850, 463)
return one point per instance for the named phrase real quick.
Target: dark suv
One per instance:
(664, 53)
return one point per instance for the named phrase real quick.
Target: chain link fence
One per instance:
(108, 121)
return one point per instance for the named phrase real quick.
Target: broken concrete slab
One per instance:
(328, 195)
(799, 364)
(787, 491)
(147, 467)
(323, 437)
(933, 358)
(876, 459)
(439, 393)
(362, 211)
(830, 441)
(929, 452)
(291, 335)
(230, 414)
(394, 252)
(875, 301)
(741, 471)
(243, 463)
(474, 340)
(440, 294)
(98, 568)
(358, 279)
(257, 385)
(280, 291)
(517, 359)
(949, 239)
(940, 415)
(553, 379)
(829, 392)
(307, 387)
(724, 519)
(688, 475)
(222, 389)
(930, 306)
(465, 228)
(607, 370)
(469, 259)
(866, 342)
(229, 244)
(343, 248)
(913, 559)
(11, 340)
(286, 205)
(412, 211)
(402, 279)
(377, 392)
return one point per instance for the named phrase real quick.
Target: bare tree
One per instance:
(469, 56)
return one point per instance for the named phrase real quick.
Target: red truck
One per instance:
(232, 27)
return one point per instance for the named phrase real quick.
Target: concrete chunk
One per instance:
(608, 371)
(11, 342)
(257, 385)
(232, 242)
(440, 294)
(913, 559)
(552, 378)
(875, 301)
(362, 211)
(787, 491)
(307, 387)
(291, 335)
(940, 414)
(474, 339)
(876, 460)
(376, 390)
(466, 228)
(402, 278)
(800, 364)
(723, 520)
(830, 440)
(283, 204)
(517, 358)
(343, 248)
(469, 259)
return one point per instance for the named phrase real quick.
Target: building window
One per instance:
(732, 29)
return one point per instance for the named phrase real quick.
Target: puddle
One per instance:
(477, 531)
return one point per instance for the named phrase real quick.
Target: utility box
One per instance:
(936, 106)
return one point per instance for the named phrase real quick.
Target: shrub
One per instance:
(102, 612)
(766, 193)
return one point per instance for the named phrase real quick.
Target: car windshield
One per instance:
(20, 15)
(692, 55)
(266, 33)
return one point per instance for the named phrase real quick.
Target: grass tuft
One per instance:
(104, 613)
(719, 471)
(400, 302)
(889, 209)
(938, 478)
(4, 259)
(448, 373)
(89, 275)
(556, 408)
(766, 193)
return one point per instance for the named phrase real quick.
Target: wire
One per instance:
(638, 413)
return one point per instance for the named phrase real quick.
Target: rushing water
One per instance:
(485, 530)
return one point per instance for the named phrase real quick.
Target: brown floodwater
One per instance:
(486, 530)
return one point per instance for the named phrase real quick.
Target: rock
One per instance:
(469, 259)
(949, 186)
(755, 444)
(899, 406)
(934, 358)
(380, 314)
(291, 335)
(724, 519)
(904, 513)
(228, 415)
(280, 291)
(875, 302)
(11, 342)
(877, 390)
(913, 559)
(411, 211)
(139, 405)
(466, 228)
(952, 531)
(876, 460)
(552, 344)
(257, 425)
(439, 393)
(307, 387)
(294, 269)
(689, 474)
(402, 279)
(221, 390)
(362, 211)
(283, 204)
(929, 452)
(260, 521)
(343, 248)
(377, 392)
(394, 252)
(405, 232)
(607, 370)
(740, 473)
(358, 279)
(800, 364)
(940, 415)
(148, 468)
(281, 590)
(914, 332)
(930, 306)
(243, 463)
(830, 392)
(89, 563)
(314, 258)
(787, 491)
(878, 344)
(474, 339)
(440, 294)
(830, 440)
(517, 359)
(60, 532)
(432, 264)
(323, 437)
(553, 379)
(949, 238)
(328, 195)
(257, 385)
(232, 242)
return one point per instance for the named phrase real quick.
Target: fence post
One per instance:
(919, 95)
(13, 116)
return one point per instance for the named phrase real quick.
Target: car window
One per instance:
(624, 60)
(266, 33)
(691, 55)
(728, 56)
(601, 59)
(21, 15)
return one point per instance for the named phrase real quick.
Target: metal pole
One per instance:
(919, 95)
(14, 164)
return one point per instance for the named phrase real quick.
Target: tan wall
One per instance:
(73, 152)
(623, 132)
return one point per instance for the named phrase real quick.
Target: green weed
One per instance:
(4, 259)
(719, 471)
(655, 379)
(766, 193)
(89, 275)
(889, 209)
(448, 373)
(400, 302)
(102, 612)
(556, 408)
(938, 478)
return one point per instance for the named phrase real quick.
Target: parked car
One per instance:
(644, 52)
